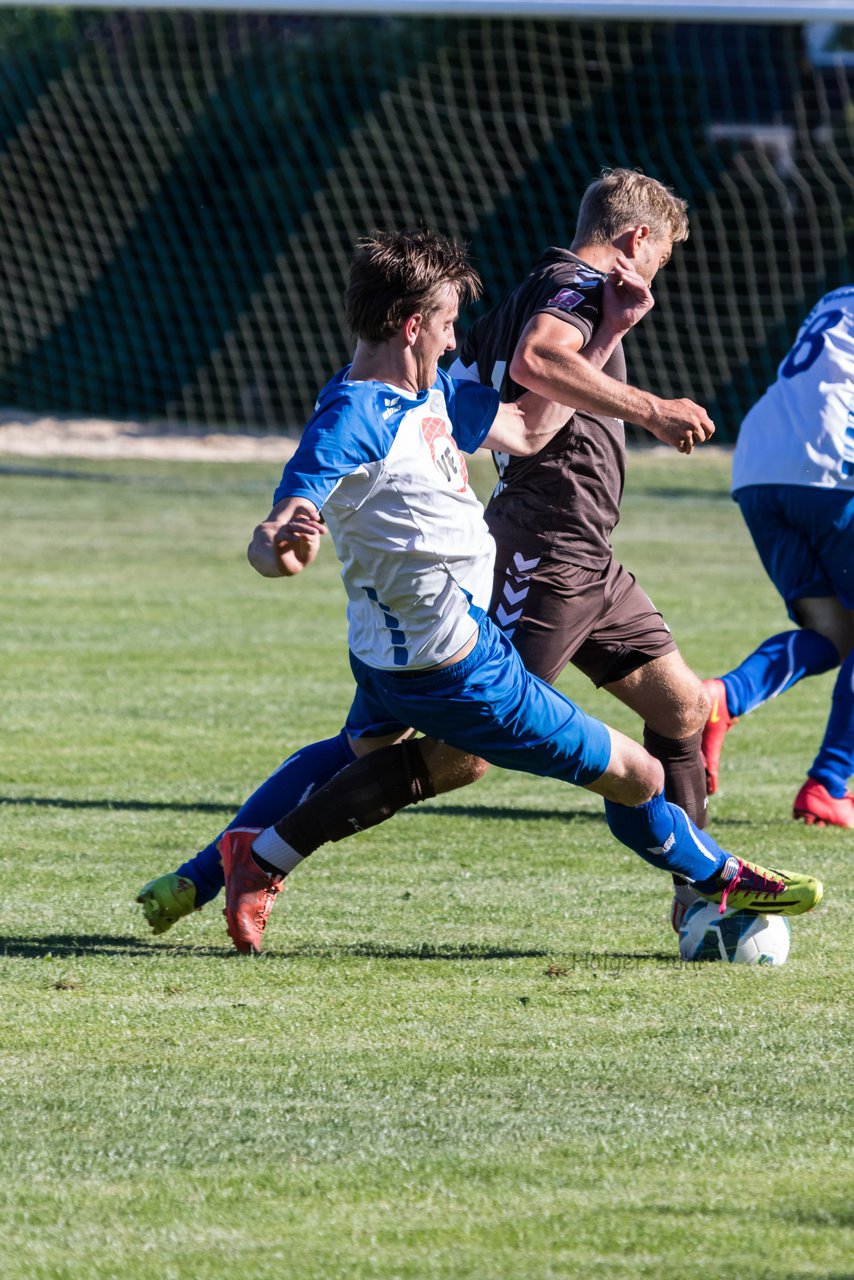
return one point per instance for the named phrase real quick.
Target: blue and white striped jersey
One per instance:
(384, 466)
(802, 430)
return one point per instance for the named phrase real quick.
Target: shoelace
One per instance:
(747, 878)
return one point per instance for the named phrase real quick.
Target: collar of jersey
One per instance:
(555, 254)
(416, 397)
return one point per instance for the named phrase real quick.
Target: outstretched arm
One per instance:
(523, 428)
(288, 540)
(549, 362)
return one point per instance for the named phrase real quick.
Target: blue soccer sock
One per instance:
(778, 663)
(834, 763)
(292, 782)
(664, 835)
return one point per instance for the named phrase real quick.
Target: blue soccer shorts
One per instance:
(488, 705)
(805, 539)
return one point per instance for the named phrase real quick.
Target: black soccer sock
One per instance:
(362, 795)
(684, 775)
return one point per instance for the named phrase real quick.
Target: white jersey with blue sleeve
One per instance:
(384, 467)
(802, 430)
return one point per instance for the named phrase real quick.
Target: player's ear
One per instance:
(412, 328)
(636, 238)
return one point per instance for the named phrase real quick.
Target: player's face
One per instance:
(436, 336)
(652, 256)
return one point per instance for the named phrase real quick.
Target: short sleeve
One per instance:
(472, 409)
(341, 436)
(578, 304)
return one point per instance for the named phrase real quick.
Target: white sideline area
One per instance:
(29, 436)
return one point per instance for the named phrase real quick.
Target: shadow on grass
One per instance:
(507, 813)
(64, 945)
(504, 813)
(142, 806)
(418, 951)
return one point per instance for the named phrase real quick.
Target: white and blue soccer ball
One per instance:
(739, 937)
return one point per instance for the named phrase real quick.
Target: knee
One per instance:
(684, 711)
(704, 705)
(633, 776)
(842, 639)
(828, 616)
(644, 781)
(697, 708)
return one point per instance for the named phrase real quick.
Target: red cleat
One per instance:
(717, 726)
(815, 806)
(249, 891)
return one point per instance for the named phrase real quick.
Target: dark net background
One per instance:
(181, 192)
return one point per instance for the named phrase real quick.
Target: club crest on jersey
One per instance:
(566, 299)
(446, 456)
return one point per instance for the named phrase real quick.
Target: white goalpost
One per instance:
(183, 184)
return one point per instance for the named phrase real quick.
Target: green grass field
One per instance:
(469, 1049)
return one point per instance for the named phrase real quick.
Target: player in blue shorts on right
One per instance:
(380, 466)
(793, 478)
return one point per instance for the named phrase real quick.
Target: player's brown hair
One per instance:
(623, 198)
(395, 274)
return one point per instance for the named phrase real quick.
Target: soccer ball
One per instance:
(741, 937)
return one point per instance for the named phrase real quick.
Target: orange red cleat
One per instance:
(717, 726)
(249, 891)
(815, 806)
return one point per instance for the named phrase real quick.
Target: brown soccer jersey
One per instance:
(558, 592)
(568, 495)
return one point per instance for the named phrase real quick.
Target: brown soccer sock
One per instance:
(684, 775)
(362, 795)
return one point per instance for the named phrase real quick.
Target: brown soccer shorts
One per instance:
(555, 612)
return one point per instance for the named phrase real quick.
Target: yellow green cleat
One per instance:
(166, 899)
(745, 886)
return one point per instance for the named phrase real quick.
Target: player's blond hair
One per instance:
(395, 274)
(624, 198)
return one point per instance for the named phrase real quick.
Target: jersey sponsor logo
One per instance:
(448, 460)
(566, 299)
(392, 406)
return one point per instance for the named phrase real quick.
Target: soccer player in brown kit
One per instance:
(559, 593)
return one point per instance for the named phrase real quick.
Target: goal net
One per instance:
(181, 191)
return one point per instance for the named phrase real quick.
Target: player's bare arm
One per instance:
(288, 540)
(628, 299)
(548, 361)
(526, 426)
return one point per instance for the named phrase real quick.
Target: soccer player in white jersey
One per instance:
(381, 460)
(560, 331)
(793, 478)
